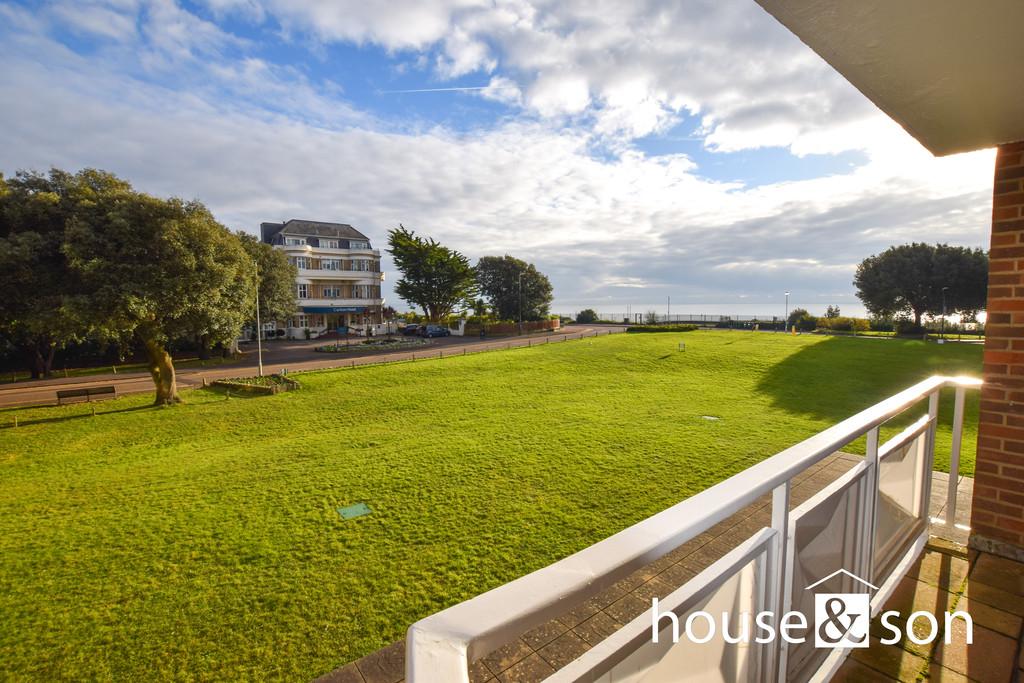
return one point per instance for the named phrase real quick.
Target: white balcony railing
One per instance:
(872, 521)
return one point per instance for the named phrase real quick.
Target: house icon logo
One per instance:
(841, 620)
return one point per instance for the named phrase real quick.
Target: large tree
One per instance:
(34, 279)
(515, 288)
(156, 269)
(434, 277)
(277, 280)
(910, 279)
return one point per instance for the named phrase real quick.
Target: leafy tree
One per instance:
(651, 317)
(795, 315)
(34, 210)
(587, 315)
(277, 280)
(832, 312)
(434, 277)
(157, 270)
(909, 280)
(514, 287)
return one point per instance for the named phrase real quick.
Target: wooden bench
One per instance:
(87, 393)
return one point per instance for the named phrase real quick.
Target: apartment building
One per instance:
(338, 286)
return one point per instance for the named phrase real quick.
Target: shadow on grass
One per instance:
(839, 377)
(68, 418)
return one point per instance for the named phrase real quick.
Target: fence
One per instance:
(872, 522)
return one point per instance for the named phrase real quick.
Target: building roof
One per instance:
(297, 226)
(948, 71)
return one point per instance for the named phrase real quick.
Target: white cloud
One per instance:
(259, 141)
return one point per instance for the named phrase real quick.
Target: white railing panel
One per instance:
(733, 584)
(824, 536)
(902, 509)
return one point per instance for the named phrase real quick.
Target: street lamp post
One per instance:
(942, 327)
(785, 321)
(259, 327)
(520, 302)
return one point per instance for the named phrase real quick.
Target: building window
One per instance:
(361, 264)
(300, 321)
(356, 244)
(329, 244)
(303, 291)
(330, 264)
(295, 241)
(331, 292)
(300, 261)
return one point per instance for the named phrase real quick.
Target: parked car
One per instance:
(412, 329)
(434, 331)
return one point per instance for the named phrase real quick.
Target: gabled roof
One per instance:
(297, 226)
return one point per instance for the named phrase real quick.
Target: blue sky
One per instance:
(633, 151)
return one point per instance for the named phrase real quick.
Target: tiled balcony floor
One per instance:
(539, 653)
(945, 579)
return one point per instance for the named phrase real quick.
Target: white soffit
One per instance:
(951, 72)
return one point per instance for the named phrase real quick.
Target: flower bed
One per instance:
(260, 386)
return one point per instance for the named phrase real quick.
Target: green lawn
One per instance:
(203, 541)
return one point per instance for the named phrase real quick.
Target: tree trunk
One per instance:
(917, 318)
(161, 367)
(204, 347)
(51, 351)
(39, 355)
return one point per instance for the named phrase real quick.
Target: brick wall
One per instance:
(997, 517)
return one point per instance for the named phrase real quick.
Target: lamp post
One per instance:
(785, 321)
(520, 302)
(942, 327)
(259, 327)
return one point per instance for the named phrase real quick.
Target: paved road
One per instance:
(290, 355)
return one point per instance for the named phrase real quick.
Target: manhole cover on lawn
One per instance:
(357, 510)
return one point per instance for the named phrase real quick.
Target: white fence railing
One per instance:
(871, 521)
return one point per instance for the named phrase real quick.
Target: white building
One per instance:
(339, 281)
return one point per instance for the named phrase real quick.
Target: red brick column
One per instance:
(997, 518)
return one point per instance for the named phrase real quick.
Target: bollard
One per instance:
(227, 396)
(93, 406)
(15, 421)
(115, 368)
(204, 381)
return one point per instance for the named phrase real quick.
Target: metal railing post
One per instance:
(929, 454)
(777, 577)
(954, 456)
(875, 483)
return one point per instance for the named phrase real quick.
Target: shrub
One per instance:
(843, 324)
(906, 328)
(587, 315)
(661, 328)
(880, 324)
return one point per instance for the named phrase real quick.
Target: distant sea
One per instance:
(615, 311)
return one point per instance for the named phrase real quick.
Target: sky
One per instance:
(636, 152)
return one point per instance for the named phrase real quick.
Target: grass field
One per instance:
(203, 541)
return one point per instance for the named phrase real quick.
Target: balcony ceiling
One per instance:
(951, 72)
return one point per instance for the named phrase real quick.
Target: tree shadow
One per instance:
(68, 418)
(838, 377)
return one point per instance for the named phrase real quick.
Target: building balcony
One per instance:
(305, 304)
(771, 538)
(310, 274)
